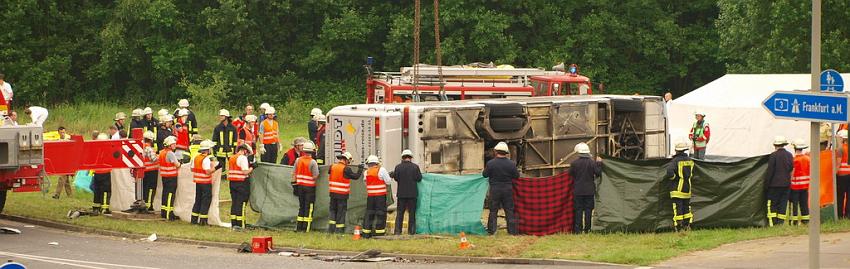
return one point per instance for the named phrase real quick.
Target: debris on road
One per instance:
(53, 243)
(7, 230)
(288, 254)
(29, 226)
(366, 256)
(150, 238)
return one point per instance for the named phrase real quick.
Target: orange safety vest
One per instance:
(303, 175)
(270, 131)
(374, 185)
(236, 173)
(802, 172)
(198, 172)
(166, 169)
(338, 183)
(150, 165)
(250, 138)
(844, 168)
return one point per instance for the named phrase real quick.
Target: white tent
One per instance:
(739, 125)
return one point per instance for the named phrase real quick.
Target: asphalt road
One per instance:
(76, 250)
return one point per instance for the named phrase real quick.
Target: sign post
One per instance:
(814, 202)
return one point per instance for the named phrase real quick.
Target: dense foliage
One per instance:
(230, 51)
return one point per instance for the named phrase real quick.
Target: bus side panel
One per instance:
(355, 134)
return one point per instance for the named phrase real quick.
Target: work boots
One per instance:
(194, 219)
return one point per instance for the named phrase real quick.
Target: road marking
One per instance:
(70, 261)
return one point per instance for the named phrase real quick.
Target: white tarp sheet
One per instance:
(740, 126)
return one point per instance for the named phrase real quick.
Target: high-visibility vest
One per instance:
(303, 175)
(802, 172)
(250, 137)
(235, 172)
(699, 132)
(337, 183)
(166, 168)
(844, 168)
(150, 165)
(198, 173)
(270, 131)
(374, 185)
(682, 178)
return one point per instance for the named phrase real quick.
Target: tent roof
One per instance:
(747, 90)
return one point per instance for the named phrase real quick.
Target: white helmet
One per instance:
(699, 113)
(147, 111)
(800, 144)
(842, 134)
(148, 135)
(224, 112)
(315, 111)
(120, 116)
(407, 153)
(503, 147)
(206, 145)
(246, 148)
(270, 110)
(137, 113)
(582, 148)
(321, 118)
(183, 103)
(681, 146)
(309, 146)
(251, 118)
(780, 141)
(265, 106)
(162, 112)
(347, 155)
(373, 159)
(102, 136)
(170, 140)
(182, 112)
(166, 118)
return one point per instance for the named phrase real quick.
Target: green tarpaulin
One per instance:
(450, 204)
(633, 196)
(272, 197)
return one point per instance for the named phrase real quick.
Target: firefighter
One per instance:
(263, 108)
(407, 174)
(203, 166)
(680, 171)
(304, 181)
(102, 186)
(119, 121)
(377, 179)
(339, 186)
(239, 170)
(164, 130)
(583, 172)
(239, 121)
(313, 124)
(842, 181)
(269, 137)
(247, 135)
(150, 124)
(191, 123)
(780, 164)
(195, 145)
(224, 137)
(800, 183)
(181, 131)
(136, 121)
(501, 173)
(169, 163)
(293, 153)
(151, 170)
(319, 138)
(700, 134)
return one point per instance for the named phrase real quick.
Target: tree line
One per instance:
(230, 51)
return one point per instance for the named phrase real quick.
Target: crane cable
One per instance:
(437, 49)
(416, 22)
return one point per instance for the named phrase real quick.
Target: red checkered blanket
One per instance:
(544, 205)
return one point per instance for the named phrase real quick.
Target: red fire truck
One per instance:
(26, 158)
(468, 82)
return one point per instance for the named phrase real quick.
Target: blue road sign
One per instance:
(818, 107)
(830, 80)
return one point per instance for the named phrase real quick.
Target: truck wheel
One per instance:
(507, 124)
(2, 199)
(505, 110)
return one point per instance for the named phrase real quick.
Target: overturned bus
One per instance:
(457, 137)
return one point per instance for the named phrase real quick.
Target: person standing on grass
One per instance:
(151, 169)
(37, 114)
(224, 137)
(842, 181)
(238, 173)
(242, 119)
(780, 165)
(136, 122)
(203, 166)
(120, 117)
(313, 124)
(339, 186)
(247, 135)
(169, 164)
(102, 182)
(501, 173)
(164, 130)
(583, 172)
(680, 171)
(304, 182)
(377, 179)
(64, 180)
(149, 123)
(800, 183)
(407, 174)
(191, 123)
(269, 131)
(181, 131)
(319, 140)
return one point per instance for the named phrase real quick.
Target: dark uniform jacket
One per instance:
(133, 125)
(312, 129)
(583, 172)
(780, 164)
(501, 172)
(407, 174)
(161, 134)
(673, 173)
(224, 136)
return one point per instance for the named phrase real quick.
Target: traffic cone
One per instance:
(356, 233)
(464, 243)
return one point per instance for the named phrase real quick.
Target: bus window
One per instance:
(583, 89)
(540, 88)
